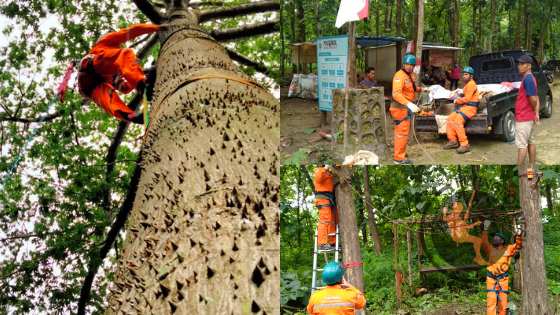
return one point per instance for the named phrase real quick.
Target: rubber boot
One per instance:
(464, 149)
(451, 145)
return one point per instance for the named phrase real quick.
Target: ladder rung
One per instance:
(319, 269)
(327, 250)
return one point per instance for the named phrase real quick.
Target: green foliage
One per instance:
(413, 192)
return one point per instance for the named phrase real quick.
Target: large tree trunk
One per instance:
(348, 226)
(371, 215)
(203, 234)
(534, 287)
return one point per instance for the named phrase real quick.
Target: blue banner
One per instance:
(332, 57)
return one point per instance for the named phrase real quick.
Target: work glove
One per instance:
(413, 108)
(329, 168)
(487, 224)
(517, 230)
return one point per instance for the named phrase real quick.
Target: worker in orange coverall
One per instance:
(325, 202)
(465, 110)
(338, 297)
(108, 68)
(402, 108)
(497, 277)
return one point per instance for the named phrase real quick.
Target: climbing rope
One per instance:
(15, 163)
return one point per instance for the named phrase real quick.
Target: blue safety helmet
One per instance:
(332, 273)
(468, 70)
(409, 59)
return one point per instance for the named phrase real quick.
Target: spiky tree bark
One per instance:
(202, 235)
(533, 282)
(348, 226)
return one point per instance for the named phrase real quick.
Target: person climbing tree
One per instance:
(108, 68)
(497, 277)
(326, 204)
(495, 249)
(338, 297)
(459, 229)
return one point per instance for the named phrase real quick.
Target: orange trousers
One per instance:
(495, 306)
(456, 125)
(327, 222)
(401, 132)
(105, 94)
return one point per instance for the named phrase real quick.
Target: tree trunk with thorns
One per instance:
(203, 233)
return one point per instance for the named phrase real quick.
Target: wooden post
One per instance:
(351, 67)
(409, 252)
(534, 287)
(419, 36)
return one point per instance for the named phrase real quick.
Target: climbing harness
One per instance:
(497, 287)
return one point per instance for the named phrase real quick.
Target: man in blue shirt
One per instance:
(369, 80)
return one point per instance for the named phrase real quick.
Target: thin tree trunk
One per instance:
(352, 55)
(371, 215)
(300, 16)
(318, 17)
(399, 17)
(282, 43)
(299, 204)
(542, 37)
(377, 14)
(419, 32)
(527, 26)
(293, 29)
(534, 287)
(493, 15)
(519, 23)
(548, 193)
(348, 227)
(203, 234)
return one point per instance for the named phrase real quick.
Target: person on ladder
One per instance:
(325, 202)
(402, 107)
(497, 277)
(466, 108)
(338, 297)
(108, 68)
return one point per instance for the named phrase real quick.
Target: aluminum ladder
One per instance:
(317, 251)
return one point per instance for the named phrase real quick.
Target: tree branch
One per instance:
(149, 10)
(246, 31)
(97, 257)
(112, 154)
(31, 120)
(206, 4)
(247, 62)
(244, 9)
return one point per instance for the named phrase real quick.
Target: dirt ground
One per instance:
(300, 143)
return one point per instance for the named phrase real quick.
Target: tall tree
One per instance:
(399, 18)
(532, 264)
(300, 16)
(370, 213)
(419, 31)
(348, 226)
(197, 227)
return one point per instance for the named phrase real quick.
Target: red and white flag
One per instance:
(351, 10)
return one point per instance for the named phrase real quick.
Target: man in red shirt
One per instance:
(526, 115)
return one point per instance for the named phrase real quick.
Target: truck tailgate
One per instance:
(477, 125)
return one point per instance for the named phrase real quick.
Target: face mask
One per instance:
(497, 241)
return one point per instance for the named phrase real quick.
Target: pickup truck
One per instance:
(498, 117)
